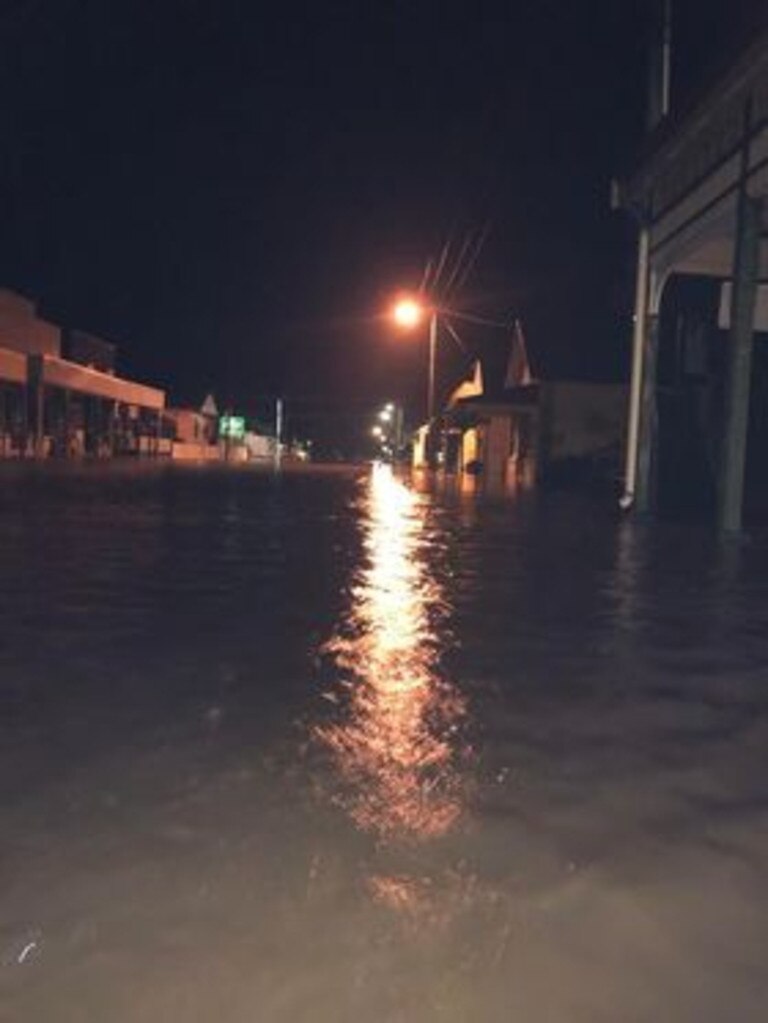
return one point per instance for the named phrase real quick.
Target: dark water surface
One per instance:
(329, 746)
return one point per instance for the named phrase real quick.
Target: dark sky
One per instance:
(233, 190)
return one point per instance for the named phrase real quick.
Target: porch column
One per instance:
(636, 381)
(66, 401)
(746, 258)
(111, 413)
(158, 432)
(648, 414)
(36, 402)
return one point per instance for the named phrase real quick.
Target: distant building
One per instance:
(261, 446)
(526, 429)
(56, 406)
(89, 350)
(22, 330)
(536, 432)
(193, 434)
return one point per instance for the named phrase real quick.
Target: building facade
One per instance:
(698, 196)
(51, 406)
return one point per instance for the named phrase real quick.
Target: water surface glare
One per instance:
(336, 745)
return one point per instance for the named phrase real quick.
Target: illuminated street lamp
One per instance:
(385, 415)
(377, 432)
(408, 314)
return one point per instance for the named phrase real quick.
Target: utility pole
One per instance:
(278, 430)
(432, 356)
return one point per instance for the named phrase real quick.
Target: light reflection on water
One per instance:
(396, 746)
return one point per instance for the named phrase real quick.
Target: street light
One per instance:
(408, 313)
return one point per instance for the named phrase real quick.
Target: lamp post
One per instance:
(408, 313)
(432, 359)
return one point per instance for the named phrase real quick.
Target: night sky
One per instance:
(232, 191)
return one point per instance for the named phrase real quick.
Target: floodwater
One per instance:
(334, 746)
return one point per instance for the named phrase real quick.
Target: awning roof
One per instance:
(74, 377)
(81, 379)
(506, 401)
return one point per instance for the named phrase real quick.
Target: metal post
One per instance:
(278, 429)
(638, 345)
(432, 355)
(746, 259)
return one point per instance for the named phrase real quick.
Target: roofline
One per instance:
(672, 130)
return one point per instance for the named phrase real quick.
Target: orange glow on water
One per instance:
(396, 746)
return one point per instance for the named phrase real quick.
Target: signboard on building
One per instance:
(232, 427)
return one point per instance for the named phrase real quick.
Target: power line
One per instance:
(441, 263)
(473, 259)
(457, 264)
(455, 335)
(425, 277)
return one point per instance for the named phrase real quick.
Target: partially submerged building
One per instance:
(546, 430)
(61, 397)
(194, 434)
(522, 429)
(698, 196)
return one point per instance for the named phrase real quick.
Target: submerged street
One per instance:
(335, 745)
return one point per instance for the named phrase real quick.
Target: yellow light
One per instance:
(396, 745)
(408, 313)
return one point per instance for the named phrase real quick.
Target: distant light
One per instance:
(376, 431)
(408, 313)
(385, 415)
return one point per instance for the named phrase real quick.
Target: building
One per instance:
(193, 433)
(89, 350)
(56, 406)
(698, 196)
(524, 429)
(542, 431)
